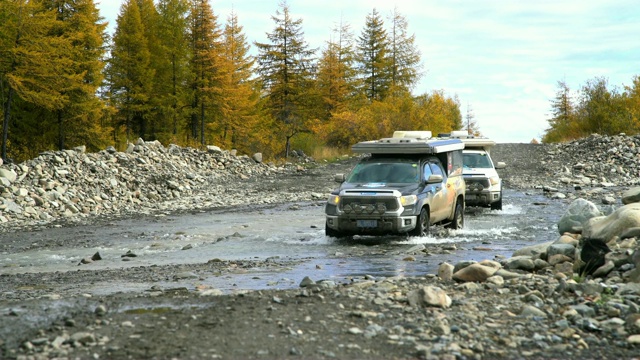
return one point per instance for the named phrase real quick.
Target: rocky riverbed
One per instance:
(538, 304)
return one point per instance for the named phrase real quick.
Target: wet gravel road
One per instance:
(234, 250)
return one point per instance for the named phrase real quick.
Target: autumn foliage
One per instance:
(173, 71)
(594, 108)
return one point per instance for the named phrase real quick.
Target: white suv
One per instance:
(484, 187)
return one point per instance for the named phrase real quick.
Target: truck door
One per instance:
(439, 208)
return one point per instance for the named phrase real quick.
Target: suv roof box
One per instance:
(407, 145)
(412, 134)
(471, 141)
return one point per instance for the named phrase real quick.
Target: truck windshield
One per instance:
(385, 171)
(476, 160)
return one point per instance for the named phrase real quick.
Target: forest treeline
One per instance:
(596, 107)
(173, 72)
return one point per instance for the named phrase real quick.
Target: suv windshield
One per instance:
(476, 160)
(401, 171)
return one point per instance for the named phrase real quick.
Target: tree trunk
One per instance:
(5, 124)
(202, 123)
(60, 132)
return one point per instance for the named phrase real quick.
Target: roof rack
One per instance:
(408, 142)
(470, 141)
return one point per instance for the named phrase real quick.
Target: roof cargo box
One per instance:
(407, 145)
(473, 142)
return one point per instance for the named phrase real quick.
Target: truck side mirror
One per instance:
(501, 165)
(434, 179)
(339, 178)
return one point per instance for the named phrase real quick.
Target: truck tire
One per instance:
(458, 217)
(331, 232)
(423, 226)
(498, 204)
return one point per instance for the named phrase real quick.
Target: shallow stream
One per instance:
(293, 231)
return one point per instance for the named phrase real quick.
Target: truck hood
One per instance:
(402, 188)
(476, 172)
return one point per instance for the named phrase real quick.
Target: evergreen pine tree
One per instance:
(403, 55)
(130, 72)
(337, 75)
(239, 96)
(373, 58)
(80, 24)
(172, 74)
(286, 69)
(206, 68)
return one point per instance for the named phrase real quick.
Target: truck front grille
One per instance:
(476, 184)
(368, 205)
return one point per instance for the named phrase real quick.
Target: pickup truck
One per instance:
(404, 185)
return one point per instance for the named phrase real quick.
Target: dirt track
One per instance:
(371, 318)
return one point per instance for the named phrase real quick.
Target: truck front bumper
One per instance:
(481, 198)
(372, 226)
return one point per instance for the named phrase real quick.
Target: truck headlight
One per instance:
(333, 200)
(494, 180)
(408, 200)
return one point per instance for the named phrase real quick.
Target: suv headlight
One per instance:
(333, 200)
(495, 180)
(408, 200)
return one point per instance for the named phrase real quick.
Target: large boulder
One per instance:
(579, 211)
(614, 225)
(533, 250)
(477, 272)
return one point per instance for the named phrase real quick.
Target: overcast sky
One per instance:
(502, 58)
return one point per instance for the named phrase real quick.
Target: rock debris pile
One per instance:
(595, 168)
(146, 177)
(597, 161)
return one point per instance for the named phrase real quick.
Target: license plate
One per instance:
(471, 197)
(367, 223)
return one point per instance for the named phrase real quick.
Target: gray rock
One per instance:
(214, 149)
(9, 175)
(632, 232)
(553, 260)
(83, 338)
(445, 271)
(306, 281)
(532, 311)
(429, 296)
(561, 249)
(578, 212)
(462, 264)
(507, 275)
(584, 310)
(613, 225)
(475, 272)
(519, 263)
(185, 275)
(533, 249)
(603, 270)
(630, 196)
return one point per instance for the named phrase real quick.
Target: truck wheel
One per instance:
(423, 227)
(458, 217)
(498, 204)
(331, 232)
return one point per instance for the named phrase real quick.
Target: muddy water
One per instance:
(286, 232)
